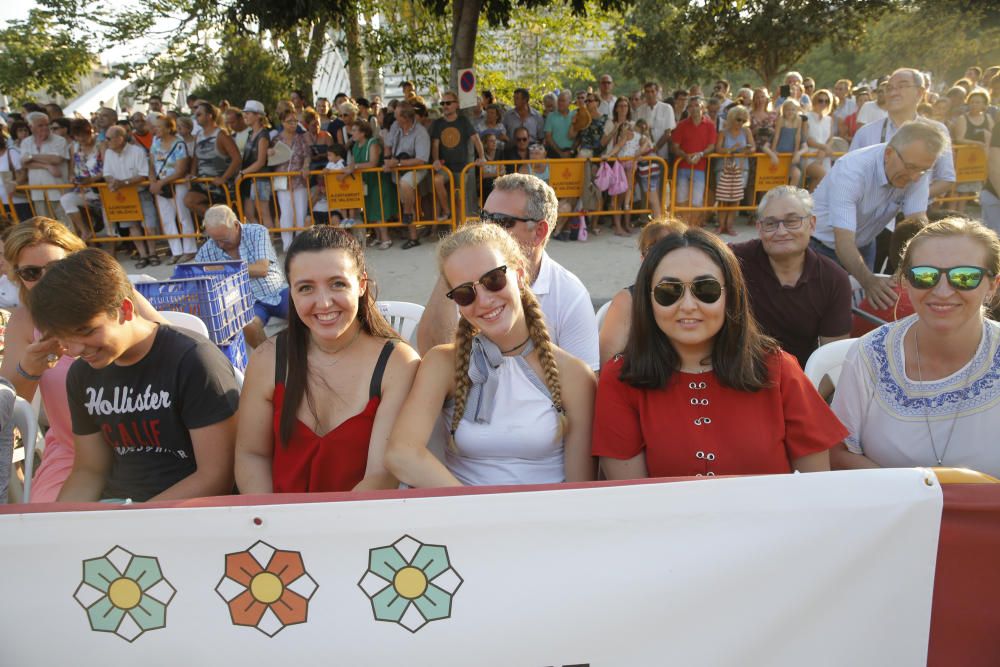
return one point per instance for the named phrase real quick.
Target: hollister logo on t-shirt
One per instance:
(128, 433)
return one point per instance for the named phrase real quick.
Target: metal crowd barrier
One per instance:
(766, 176)
(568, 177)
(109, 208)
(351, 194)
(970, 167)
(346, 193)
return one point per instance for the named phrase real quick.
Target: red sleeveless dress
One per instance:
(335, 461)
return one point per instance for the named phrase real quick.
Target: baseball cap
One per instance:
(253, 106)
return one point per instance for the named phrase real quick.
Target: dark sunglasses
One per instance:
(30, 274)
(502, 219)
(669, 292)
(493, 280)
(963, 278)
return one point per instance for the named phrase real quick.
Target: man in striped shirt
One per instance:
(865, 190)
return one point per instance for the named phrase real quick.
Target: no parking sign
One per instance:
(466, 88)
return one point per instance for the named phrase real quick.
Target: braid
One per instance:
(543, 343)
(463, 351)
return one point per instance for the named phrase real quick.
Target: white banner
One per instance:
(818, 569)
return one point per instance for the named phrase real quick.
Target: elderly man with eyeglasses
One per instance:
(862, 194)
(797, 295)
(904, 91)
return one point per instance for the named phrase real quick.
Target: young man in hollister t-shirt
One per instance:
(153, 407)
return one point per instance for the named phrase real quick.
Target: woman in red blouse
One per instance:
(699, 389)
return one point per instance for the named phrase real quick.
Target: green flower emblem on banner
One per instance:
(410, 583)
(124, 593)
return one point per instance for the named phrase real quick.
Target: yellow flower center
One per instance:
(266, 587)
(410, 582)
(124, 593)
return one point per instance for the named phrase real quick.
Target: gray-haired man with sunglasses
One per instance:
(797, 295)
(527, 208)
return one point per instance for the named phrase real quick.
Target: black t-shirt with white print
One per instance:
(146, 410)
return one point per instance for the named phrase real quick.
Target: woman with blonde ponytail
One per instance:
(518, 408)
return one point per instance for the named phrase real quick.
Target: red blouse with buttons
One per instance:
(694, 426)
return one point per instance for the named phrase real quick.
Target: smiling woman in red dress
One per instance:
(699, 390)
(320, 399)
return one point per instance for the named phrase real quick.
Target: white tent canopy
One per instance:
(106, 92)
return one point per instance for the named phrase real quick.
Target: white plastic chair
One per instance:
(602, 312)
(828, 361)
(26, 423)
(403, 317)
(185, 321)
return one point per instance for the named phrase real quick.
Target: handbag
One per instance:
(603, 178)
(168, 191)
(619, 181)
(730, 185)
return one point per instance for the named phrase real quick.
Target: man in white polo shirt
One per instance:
(527, 208)
(46, 157)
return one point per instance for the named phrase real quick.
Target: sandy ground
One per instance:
(604, 263)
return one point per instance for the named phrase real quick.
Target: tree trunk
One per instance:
(355, 62)
(464, 29)
(317, 41)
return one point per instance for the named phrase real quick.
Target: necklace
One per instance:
(519, 345)
(927, 412)
(336, 361)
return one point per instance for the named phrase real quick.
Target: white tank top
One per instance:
(518, 446)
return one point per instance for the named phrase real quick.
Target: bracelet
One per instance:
(26, 375)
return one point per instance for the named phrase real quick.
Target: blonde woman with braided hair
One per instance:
(518, 408)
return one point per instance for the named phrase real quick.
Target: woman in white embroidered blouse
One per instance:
(925, 391)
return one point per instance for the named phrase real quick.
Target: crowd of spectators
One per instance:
(696, 135)
(696, 368)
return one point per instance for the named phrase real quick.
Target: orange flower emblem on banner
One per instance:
(266, 588)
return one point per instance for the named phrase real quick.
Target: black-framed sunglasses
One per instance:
(962, 278)
(30, 273)
(791, 223)
(502, 219)
(493, 280)
(669, 292)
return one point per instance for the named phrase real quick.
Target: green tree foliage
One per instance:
(465, 20)
(40, 53)
(247, 71)
(770, 36)
(537, 49)
(943, 37)
(655, 43)
(410, 39)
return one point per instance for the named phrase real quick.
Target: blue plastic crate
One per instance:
(220, 297)
(213, 269)
(236, 351)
